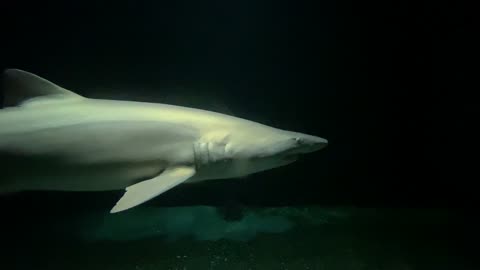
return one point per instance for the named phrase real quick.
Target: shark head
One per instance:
(298, 144)
(281, 148)
(249, 150)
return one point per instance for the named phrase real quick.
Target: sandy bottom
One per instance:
(315, 238)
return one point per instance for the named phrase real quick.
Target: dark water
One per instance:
(75, 231)
(387, 83)
(201, 237)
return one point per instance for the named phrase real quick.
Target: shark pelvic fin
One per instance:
(21, 87)
(141, 192)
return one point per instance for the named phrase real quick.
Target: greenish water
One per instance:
(259, 238)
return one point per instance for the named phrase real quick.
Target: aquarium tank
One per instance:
(238, 135)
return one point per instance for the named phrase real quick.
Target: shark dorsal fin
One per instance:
(21, 87)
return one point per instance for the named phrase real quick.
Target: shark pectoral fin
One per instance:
(141, 192)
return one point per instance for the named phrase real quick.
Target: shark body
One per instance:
(54, 139)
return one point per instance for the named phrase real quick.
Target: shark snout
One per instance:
(309, 143)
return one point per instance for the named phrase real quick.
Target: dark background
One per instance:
(388, 83)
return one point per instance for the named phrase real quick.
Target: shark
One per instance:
(54, 139)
